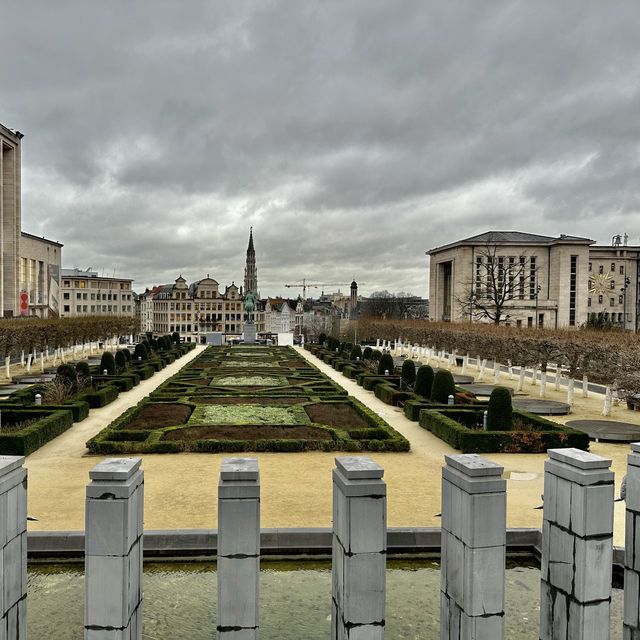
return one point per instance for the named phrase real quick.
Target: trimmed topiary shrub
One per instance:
(140, 352)
(356, 352)
(385, 364)
(376, 355)
(443, 386)
(127, 354)
(175, 336)
(83, 370)
(108, 363)
(424, 381)
(321, 338)
(66, 373)
(500, 410)
(121, 360)
(366, 354)
(408, 374)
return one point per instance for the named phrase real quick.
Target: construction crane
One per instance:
(304, 285)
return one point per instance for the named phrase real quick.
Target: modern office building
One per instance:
(85, 293)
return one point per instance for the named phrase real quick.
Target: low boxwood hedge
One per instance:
(122, 383)
(448, 425)
(390, 394)
(101, 397)
(47, 426)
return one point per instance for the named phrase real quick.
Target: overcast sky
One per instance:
(353, 135)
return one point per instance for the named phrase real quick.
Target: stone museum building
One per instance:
(553, 282)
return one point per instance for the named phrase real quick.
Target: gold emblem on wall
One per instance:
(600, 283)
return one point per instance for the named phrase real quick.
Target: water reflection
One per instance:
(180, 601)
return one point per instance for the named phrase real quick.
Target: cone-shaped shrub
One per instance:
(127, 354)
(500, 410)
(424, 381)
(356, 352)
(366, 354)
(83, 370)
(443, 386)
(140, 352)
(321, 338)
(66, 373)
(108, 362)
(121, 360)
(376, 355)
(385, 364)
(408, 372)
(175, 336)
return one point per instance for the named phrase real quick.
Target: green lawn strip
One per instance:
(239, 414)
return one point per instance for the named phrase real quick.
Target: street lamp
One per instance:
(627, 282)
(538, 289)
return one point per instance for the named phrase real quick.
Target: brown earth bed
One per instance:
(247, 432)
(336, 415)
(156, 416)
(265, 401)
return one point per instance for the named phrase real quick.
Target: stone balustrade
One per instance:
(576, 562)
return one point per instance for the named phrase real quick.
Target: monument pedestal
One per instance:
(250, 333)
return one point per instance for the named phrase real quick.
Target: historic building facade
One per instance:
(85, 293)
(538, 280)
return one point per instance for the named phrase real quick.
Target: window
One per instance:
(600, 269)
(613, 284)
(83, 284)
(590, 266)
(78, 308)
(66, 283)
(620, 299)
(65, 295)
(600, 299)
(612, 302)
(93, 308)
(84, 308)
(621, 270)
(78, 296)
(588, 302)
(532, 278)
(66, 308)
(613, 267)
(573, 287)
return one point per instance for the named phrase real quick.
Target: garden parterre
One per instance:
(248, 398)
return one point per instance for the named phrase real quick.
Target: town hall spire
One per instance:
(250, 270)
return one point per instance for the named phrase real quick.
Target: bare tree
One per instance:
(386, 305)
(497, 281)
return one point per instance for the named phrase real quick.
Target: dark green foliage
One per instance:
(321, 338)
(140, 352)
(500, 410)
(443, 386)
(356, 352)
(121, 360)
(376, 355)
(127, 354)
(175, 336)
(447, 425)
(342, 347)
(101, 397)
(47, 426)
(390, 394)
(83, 370)
(366, 354)
(424, 381)
(386, 364)
(153, 343)
(408, 374)
(67, 374)
(108, 363)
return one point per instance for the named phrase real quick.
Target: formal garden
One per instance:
(34, 415)
(451, 411)
(247, 398)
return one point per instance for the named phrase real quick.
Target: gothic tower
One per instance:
(353, 301)
(250, 270)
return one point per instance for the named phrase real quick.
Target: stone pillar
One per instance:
(359, 550)
(472, 570)
(113, 550)
(238, 549)
(577, 546)
(632, 547)
(13, 540)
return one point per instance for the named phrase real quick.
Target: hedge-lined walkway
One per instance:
(181, 489)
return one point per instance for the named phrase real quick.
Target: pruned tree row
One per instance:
(608, 357)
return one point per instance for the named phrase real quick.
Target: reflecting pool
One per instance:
(180, 600)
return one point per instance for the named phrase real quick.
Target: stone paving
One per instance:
(181, 489)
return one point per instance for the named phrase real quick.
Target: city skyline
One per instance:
(352, 137)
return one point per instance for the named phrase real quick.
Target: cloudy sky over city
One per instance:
(353, 135)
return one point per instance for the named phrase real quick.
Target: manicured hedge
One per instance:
(390, 394)
(101, 397)
(445, 424)
(121, 382)
(48, 426)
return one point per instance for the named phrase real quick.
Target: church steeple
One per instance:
(250, 270)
